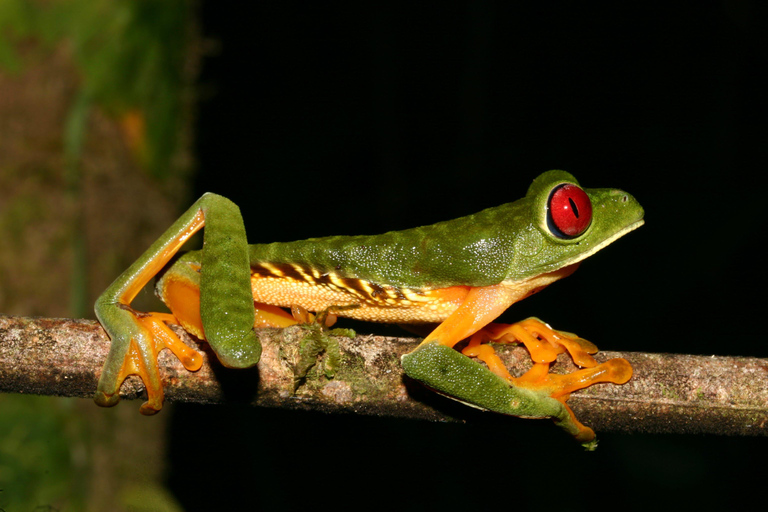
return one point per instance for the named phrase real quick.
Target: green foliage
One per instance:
(46, 460)
(17, 19)
(130, 55)
(41, 454)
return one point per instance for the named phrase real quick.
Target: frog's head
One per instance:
(567, 223)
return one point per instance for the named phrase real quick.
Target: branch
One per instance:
(668, 393)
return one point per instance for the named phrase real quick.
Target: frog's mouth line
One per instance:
(606, 242)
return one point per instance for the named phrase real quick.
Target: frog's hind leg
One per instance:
(179, 289)
(539, 379)
(536, 394)
(544, 345)
(615, 371)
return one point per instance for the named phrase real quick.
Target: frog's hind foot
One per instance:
(539, 379)
(614, 371)
(544, 344)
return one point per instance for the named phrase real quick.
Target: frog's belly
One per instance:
(287, 286)
(374, 303)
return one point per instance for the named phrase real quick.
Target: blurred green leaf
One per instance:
(130, 54)
(39, 454)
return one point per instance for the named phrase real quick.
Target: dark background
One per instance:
(326, 118)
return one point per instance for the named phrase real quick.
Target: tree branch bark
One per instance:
(668, 393)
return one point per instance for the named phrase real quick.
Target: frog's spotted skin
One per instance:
(460, 274)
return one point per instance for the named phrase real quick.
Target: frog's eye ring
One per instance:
(569, 211)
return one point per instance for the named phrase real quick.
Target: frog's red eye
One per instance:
(569, 211)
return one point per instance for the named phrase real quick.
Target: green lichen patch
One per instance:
(312, 352)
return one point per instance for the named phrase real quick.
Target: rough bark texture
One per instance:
(668, 393)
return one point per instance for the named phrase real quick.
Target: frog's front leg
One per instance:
(134, 352)
(537, 394)
(224, 297)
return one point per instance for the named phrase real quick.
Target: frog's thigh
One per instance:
(181, 293)
(268, 315)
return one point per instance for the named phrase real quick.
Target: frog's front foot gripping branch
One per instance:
(216, 295)
(134, 352)
(536, 394)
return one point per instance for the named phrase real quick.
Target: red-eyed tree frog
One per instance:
(460, 274)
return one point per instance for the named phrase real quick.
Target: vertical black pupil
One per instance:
(573, 207)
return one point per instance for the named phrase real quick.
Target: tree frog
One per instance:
(460, 275)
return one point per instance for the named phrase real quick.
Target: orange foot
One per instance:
(560, 387)
(544, 344)
(141, 359)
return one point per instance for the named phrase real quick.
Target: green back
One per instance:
(510, 242)
(471, 250)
